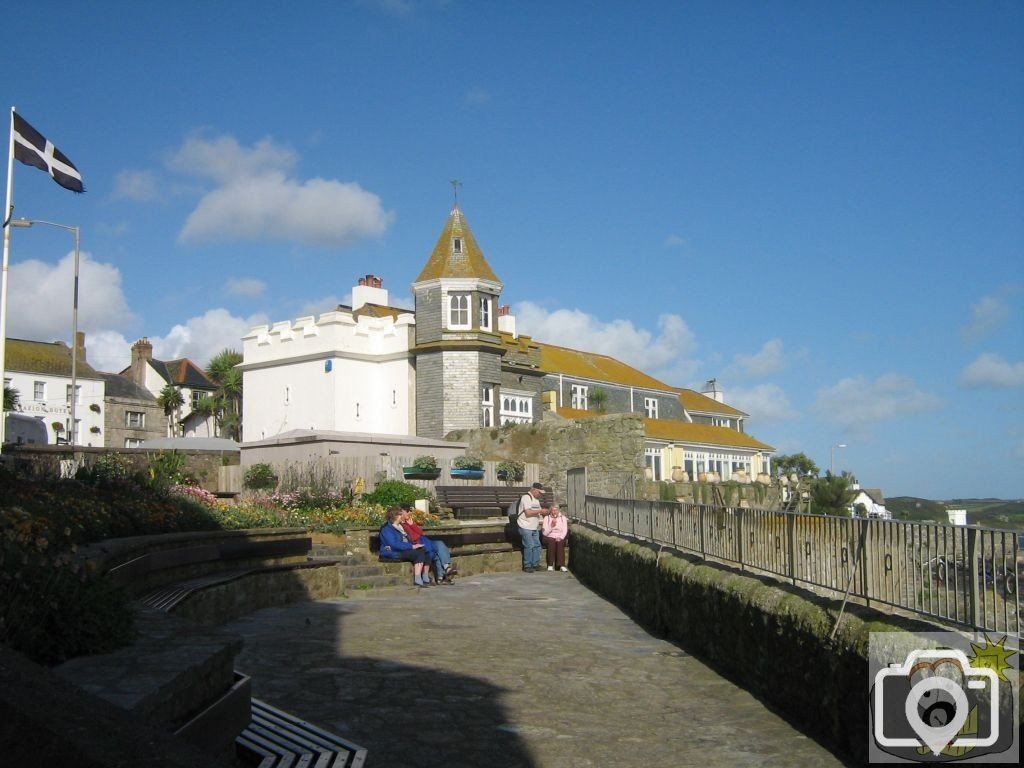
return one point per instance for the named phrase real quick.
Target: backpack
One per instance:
(512, 510)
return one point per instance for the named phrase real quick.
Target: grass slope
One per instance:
(987, 513)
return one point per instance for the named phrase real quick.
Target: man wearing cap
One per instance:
(530, 513)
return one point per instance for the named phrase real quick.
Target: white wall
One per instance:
(54, 407)
(336, 372)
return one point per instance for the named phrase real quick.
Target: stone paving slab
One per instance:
(509, 669)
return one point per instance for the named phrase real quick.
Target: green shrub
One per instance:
(468, 462)
(167, 468)
(424, 463)
(260, 476)
(393, 493)
(511, 471)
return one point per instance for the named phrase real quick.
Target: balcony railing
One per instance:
(959, 575)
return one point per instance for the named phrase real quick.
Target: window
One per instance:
(458, 311)
(485, 313)
(651, 407)
(197, 395)
(133, 442)
(721, 421)
(487, 406)
(38, 390)
(652, 457)
(456, 245)
(78, 394)
(135, 420)
(516, 408)
(578, 397)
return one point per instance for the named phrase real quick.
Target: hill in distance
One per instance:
(986, 513)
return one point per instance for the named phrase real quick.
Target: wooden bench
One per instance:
(464, 542)
(275, 739)
(462, 497)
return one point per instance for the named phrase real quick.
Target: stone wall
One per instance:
(770, 638)
(609, 447)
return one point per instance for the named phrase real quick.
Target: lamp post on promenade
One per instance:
(832, 458)
(77, 232)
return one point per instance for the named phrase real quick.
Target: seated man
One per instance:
(437, 549)
(396, 545)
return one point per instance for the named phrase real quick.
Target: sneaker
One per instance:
(563, 569)
(551, 567)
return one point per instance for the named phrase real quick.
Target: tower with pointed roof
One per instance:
(458, 349)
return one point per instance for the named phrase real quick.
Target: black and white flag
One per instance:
(32, 148)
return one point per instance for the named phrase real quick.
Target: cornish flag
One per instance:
(32, 148)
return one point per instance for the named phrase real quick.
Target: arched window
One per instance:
(458, 311)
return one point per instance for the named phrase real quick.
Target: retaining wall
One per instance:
(770, 638)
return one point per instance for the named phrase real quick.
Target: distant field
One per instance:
(988, 513)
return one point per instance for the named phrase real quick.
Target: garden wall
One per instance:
(770, 638)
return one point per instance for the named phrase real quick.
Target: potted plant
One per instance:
(511, 471)
(467, 467)
(422, 468)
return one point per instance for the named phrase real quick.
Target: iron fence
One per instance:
(959, 575)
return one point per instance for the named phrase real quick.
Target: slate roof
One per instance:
(121, 386)
(45, 357)
(674, 431)
(695, 402)
(596, 367)
(468, 262)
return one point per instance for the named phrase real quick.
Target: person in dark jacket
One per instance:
(396, 545)
(439, 553)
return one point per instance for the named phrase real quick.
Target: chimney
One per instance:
(507, 321)
(142, 353)
(712, 390)
(370, 290)
(80, 346)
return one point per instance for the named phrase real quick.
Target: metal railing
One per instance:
(959, 575)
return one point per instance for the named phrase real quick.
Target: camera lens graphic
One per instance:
(936, 709)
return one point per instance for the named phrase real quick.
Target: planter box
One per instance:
(467, 474)
(412, 473)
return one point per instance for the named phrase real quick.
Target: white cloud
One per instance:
(41, 299)
(858, 403)
(987, 315)
(674, 241)
(246, 286)
(991, 370)
(201, 338)
(764, 403)
(255, 198)
(224, 160)
(140, 186)
(477, 95)
(666, 356)
(766, 361)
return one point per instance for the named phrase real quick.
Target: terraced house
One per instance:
(456, 361)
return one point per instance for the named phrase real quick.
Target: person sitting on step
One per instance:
(555, 530)
(439, 553)
(396, 545)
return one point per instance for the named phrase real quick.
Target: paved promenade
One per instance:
(508, 669)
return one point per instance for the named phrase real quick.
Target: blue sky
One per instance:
(817, 204)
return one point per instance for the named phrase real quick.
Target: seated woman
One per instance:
(396, 545)
(437, 549)
(555, 529)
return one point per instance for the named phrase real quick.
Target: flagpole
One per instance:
(7, 213)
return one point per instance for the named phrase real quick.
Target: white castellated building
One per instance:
(348, 370)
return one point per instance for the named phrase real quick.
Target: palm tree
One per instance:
(224, 373)
(12, 398)
(206, 407)
(832, 495)
(171, 400)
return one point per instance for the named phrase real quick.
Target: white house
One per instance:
(873, 501)
(348, 370)
(41, 374)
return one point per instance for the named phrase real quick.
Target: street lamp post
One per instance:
(77, 232)
(832, 458)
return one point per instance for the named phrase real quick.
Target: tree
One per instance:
(832, 495)
(207, 408)
(796, 462)
(223, 372)
(12, 398)
(171, 400)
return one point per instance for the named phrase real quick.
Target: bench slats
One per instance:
(289, 742)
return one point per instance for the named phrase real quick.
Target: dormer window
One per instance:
(456, 245)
